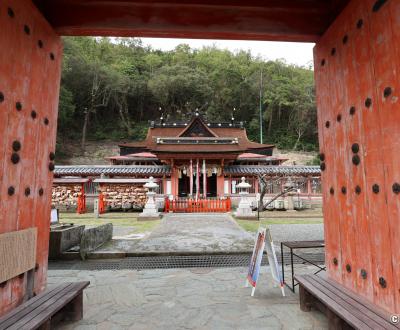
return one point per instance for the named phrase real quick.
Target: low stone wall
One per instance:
(63, 237)
(93, 238)
(125, 196)
(65, 196)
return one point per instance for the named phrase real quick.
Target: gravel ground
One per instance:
(294, 232)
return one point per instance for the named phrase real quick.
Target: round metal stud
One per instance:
(27, 30)
(33, 114)
(27, 191)
(10, 12)
(377, 5)
(333, 51)
(11, 191)
(36, 267)
(322, 156)
(51, 166)
(52, 57)
(375, 188)
(331, 191)
(46, 121)
(52, 156)
(352, 111)
(396, 188)
(335, 261)
(327, 124)
(16, 146)
(323, 62)
(348, 268)
(1, 97)
(360, 23)
(356, 160)
(3, 284)
(358, 190)
(322, 166)
(368, 102)
(15, 158)
(339, 118)
(18, 106)
(382, 282)
(41, 191)
(40, 43)
(355, 147)
(387, 92)
(363, 273)
(344, 190)
(345, 39)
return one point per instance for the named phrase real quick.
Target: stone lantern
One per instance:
(244, 209)
(150, 210)
(290, 185)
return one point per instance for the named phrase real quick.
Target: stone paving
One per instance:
(189, 233)
(195, 298)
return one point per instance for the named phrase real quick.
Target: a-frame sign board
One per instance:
(263, 243)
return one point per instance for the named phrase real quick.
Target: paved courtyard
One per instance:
(189, 233)
(195, 298)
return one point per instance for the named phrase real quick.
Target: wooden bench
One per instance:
(48, 308)
(344, 308)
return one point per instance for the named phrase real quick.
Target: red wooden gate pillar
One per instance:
(357, 65)
(30, 58)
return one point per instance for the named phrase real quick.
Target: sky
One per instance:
(292, 52)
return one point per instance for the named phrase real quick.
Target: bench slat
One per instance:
(25, 308)
(356, 314)
(32, 313)
(47, 313)
(330, 303)
(369, 312)
(384, 315)
(50, 307)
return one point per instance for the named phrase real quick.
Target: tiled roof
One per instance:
(272, 170)
(243, 144)
(123, 170)
(128, 170)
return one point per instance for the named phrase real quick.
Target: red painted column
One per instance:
(357, 65)
(30, 64)
(174, 181)
(220, 185)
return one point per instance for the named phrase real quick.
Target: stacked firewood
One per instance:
(125, 196)
(65, 195)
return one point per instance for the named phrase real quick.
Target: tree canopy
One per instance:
(111, 88)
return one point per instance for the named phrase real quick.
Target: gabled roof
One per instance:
(197, 136)
(197, 128)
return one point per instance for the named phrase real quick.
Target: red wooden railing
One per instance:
(81, 207)
(102, 203)
(188, 205)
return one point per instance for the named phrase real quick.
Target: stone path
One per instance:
(184, 299)
(189, 233)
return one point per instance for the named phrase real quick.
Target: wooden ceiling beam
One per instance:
(283, 20)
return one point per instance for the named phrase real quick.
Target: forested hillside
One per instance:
(111, 88)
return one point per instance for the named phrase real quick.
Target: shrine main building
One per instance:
(198, 153)
(192, 159)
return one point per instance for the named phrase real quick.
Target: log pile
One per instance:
(65, 196)
(125, 196)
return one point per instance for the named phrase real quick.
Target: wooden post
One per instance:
(306, 299)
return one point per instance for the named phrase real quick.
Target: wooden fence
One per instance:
(186, 205)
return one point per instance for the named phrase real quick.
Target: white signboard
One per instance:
(54, 216)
